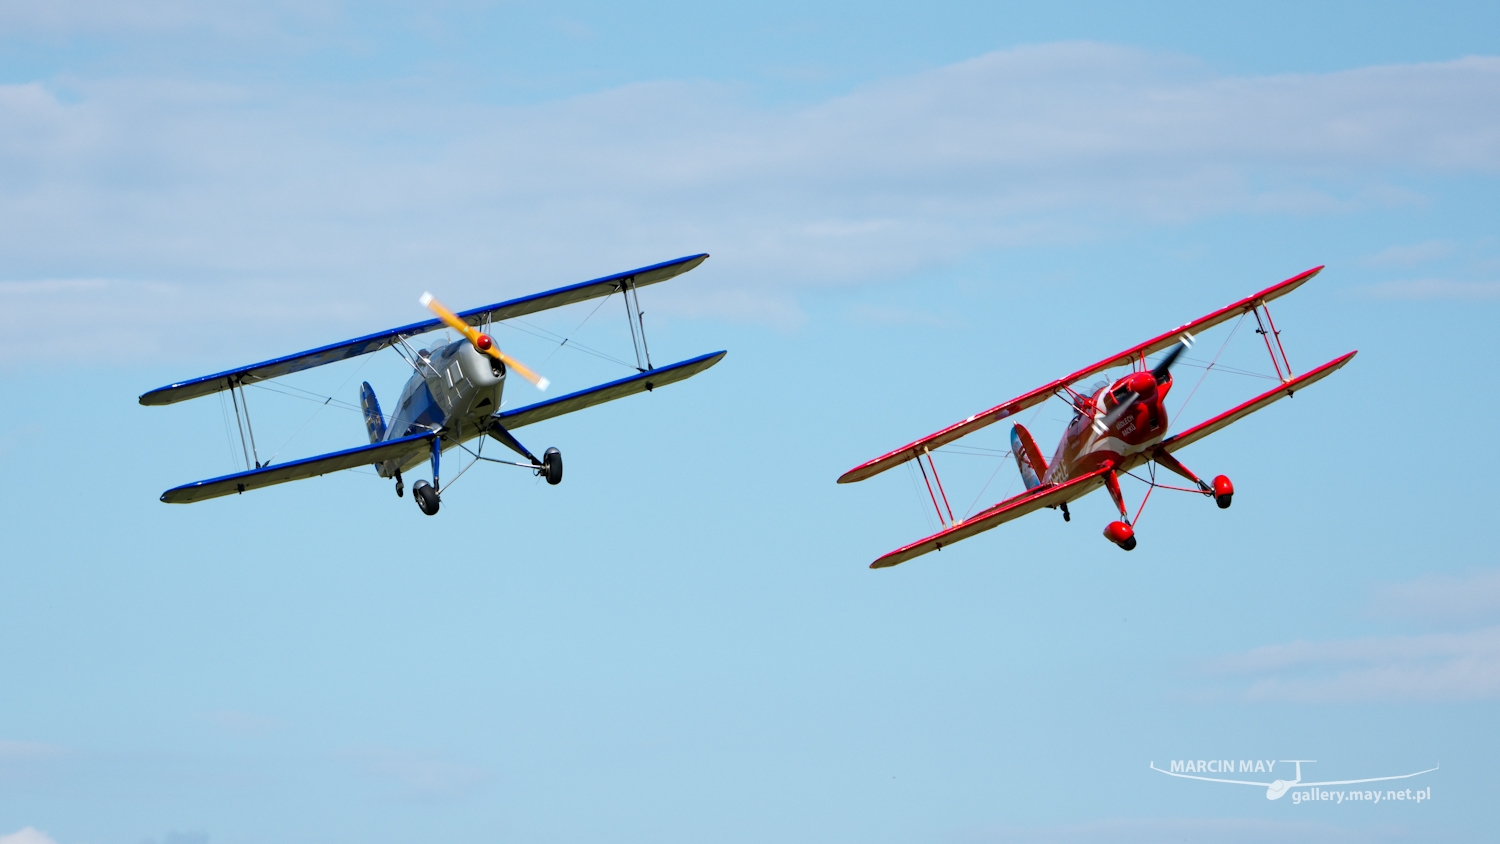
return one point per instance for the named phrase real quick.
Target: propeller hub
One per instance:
(1143, 383)
(483, 343)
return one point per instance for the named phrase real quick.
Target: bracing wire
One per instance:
(537, 331)
(1001, 465)
(1207, 369)
(911, 473)
(228, 437)
(309, 395)
(565, 340)
(327, 401)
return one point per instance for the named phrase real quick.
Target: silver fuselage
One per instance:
(454, 391)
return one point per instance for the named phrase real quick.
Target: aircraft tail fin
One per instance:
(1028, 457)
(374, 421)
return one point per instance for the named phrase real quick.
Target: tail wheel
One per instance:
(552, 466)
(426, 497)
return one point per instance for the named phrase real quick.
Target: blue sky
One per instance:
(914, 213)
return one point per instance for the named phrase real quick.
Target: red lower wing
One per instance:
(1026, 502)
(1229, 417)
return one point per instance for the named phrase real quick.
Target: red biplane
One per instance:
(1116, 427)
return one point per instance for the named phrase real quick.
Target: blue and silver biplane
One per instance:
(452, 396)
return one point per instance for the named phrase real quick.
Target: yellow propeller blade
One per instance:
(482, 342)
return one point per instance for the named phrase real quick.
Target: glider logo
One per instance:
(1301, 791)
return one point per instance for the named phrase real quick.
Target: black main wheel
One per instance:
(426, 497)
(552, 466)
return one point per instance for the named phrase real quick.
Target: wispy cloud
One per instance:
(29, 835)
(1434, 288)
(1442, 598)
(1432, 667)
(889, 315)
(1410, 256)
(180, 838)
(1224, 830)
(30, 750)
(1461, 665)
(26, 763)
(228, 17)
(416, 774)
(353, 195)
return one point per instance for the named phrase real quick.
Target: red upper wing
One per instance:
(1041, 394)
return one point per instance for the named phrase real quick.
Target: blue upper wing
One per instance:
(276, 367)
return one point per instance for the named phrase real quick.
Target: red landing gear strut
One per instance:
(1222, 490)
(1120, 533)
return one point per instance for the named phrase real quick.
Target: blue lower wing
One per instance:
(643, 382)
(297, 470)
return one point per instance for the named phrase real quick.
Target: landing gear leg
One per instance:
(400, 485)
(1067, 517)
(1120, 533)
(426, 494)
(549, 467)
(1222, 490)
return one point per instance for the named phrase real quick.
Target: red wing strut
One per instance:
(1012, 508)
(1041, 394)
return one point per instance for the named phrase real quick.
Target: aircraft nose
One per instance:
(1141, 382)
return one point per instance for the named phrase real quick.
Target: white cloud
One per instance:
(1410, 256)
(231, 17)
(1462, 665)
(1434, 288)
(1220, 830)
(888, 315)
(29, 835)
(1443, 598)
(360, 195)
(30, 750)
(416, 773)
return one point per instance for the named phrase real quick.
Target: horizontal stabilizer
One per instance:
(365, 455)
(642, 382)
(1229, 417)
(334, 352)
(1012, 508)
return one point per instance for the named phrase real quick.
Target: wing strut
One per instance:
(244, 425)
(636, 317)
(950, 521)
(1267, 335)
